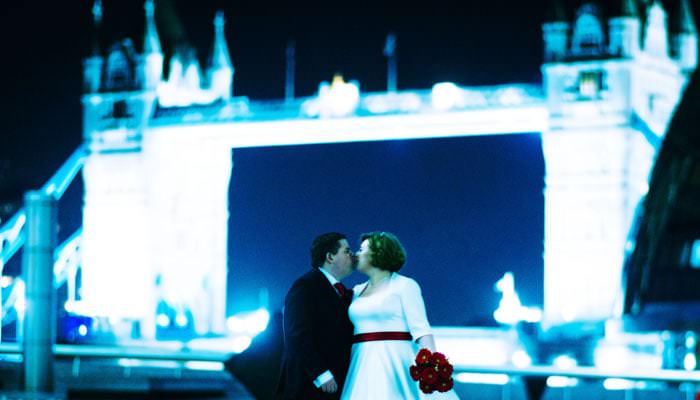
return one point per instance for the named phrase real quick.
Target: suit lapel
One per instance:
(328, 291)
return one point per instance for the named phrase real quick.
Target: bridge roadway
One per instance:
(527, 118)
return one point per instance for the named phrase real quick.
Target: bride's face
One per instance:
(364, 257)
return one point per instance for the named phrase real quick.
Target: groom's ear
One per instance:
(329, 257)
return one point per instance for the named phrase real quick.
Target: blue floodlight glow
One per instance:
(561, 381)
(10, 235)
(20, 301)
(511, 96)
(240, 343)
(250, 323)
(259, 320)
(445, 96)
(235, 324)
(620, 356)
(690, 340)
(162, 320)
(621, 384)
(689, 362)
(393, 102)
(510, 311)
(521, 359)
(134, 363)
(80, 308)
(644, 188)
(564, 361)
(334, 100)
(488, 351)
(489, 379)
(695, 254)
(204, 365)
(180, 320)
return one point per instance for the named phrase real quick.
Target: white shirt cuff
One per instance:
(323, 378)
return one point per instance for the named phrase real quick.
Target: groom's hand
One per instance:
(329, 387)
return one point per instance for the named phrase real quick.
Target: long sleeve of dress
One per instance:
(414, 309)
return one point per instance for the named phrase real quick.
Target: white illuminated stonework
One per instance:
(608, 115)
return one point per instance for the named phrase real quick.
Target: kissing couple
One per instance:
(355, 344)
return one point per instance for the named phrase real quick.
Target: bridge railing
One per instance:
(66, 255)
(368, 104)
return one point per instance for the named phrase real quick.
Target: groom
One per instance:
(317, 330)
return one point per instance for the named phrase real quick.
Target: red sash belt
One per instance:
(372, 336)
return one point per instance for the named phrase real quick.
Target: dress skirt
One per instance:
(381, 371)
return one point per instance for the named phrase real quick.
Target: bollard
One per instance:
(37, 269)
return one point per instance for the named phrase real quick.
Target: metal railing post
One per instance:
(37, 268)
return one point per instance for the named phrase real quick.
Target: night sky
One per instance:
(467, 209)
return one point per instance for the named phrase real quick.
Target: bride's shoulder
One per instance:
(405, 280)
(401, 278)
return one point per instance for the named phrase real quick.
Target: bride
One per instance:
(390, 325)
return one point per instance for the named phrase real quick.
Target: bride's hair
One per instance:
(387, 252)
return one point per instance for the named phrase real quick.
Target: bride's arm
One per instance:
(426, 342)
(416, 318)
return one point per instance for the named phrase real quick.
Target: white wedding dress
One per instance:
(379, 370)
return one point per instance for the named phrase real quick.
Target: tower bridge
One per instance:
(153, 224)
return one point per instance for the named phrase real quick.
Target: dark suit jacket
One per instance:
(317, 337)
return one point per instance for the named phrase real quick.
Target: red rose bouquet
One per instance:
(432, 371)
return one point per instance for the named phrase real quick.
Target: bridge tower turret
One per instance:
(119, 100)
(610, 98)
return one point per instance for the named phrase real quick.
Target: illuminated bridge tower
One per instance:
(610, 98)
(155, 217)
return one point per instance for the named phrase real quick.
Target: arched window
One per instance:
(588, 38)
(120, 68)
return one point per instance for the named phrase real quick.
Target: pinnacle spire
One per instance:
(220, 69)
(220, 57)
(97, 12)
(97, 20)
(151, 42)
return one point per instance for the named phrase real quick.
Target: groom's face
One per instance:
(343, 260)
